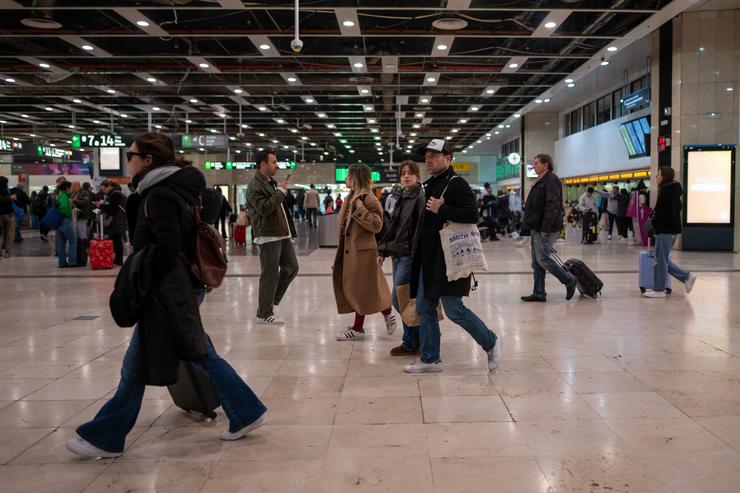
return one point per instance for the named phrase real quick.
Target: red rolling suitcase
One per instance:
(101, 250)
(240, 234)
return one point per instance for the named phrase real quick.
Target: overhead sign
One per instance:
(242, 165)
(10, 145)
(98, 140)
(190, 141)
(51, 169)
(52, 152)
(636, 99)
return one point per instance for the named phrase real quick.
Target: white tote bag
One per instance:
(462, 248)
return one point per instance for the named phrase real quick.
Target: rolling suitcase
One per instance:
(240, 234)
(193, 391)
(646, 269)
(590, 228)
(587, 283)
(101, 250)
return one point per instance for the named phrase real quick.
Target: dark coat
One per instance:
(404, 227)
(459, 207)
(114, 207)
(543, 211)
(170, 328)
(267, 208)
(667, 212)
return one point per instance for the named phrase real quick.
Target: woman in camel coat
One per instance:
(359, 283)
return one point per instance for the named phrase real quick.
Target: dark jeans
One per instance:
(278, 267)
(612, 218)
(117, 417)
(623, 226)
(313, 217)
(300, 213)
(542, 262)
(402, 275)
(18, 224)
(223, 220)
(117, 248)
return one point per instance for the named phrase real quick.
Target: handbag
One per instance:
(462, 248)
(18, 211)
(53, 218)
(407, 306)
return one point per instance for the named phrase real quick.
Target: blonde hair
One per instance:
(360, 177)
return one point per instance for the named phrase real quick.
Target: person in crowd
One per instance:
(543, 215)
(7, 218)
(666, 225)
(34, 218)
(132, 205)
(488, 211)
(170, 189)
(300, 199)
(290, 203)
(114, 211)
(329, 205)
(224, 212)
(273, 231)
(22, 202)
(587, 205)
(40, 208)
(612, 206)
(359, 283)
(448, 198)
(81, 200)
(339, 201)
(623, 222)
(503, 215)
(515, 206)
(66, 240)
(399, 242)
(312, 203)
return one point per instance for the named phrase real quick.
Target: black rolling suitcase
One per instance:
(590, 227)
(193, 391)
(588, 284)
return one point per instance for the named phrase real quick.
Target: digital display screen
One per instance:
(110, 159)
(531, 173)
(636, 137)
(709, 187)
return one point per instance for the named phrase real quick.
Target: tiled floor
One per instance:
(615, 394)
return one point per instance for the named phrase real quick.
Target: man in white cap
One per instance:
(428, 271)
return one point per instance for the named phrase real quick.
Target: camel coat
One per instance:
(359, 284)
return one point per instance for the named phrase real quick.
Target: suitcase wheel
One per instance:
(668, 290)
(642, 290)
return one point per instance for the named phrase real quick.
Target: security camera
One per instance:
(296, 45)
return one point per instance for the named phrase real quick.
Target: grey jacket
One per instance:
(403, 229)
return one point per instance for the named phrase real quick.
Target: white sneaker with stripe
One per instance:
(351, 335)
(390, 323)
(270, 320)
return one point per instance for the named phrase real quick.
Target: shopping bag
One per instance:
(462, 250)
(407, 306)
(53, 218)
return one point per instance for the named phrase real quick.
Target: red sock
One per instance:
(387, 311)
(359, 322)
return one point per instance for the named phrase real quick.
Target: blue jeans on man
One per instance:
(18, 224)
(542, 263)
(663, 245)
(117, 417)
(456, 311)
(66, 244)
(402, 275)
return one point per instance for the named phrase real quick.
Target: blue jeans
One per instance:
(663, 245)
(429, 334)
(34, 221)
(542, 262)
(402, 275)
(66, 236)
(117, 417)
(18, 224)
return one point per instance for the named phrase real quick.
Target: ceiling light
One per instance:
(262, 108)
(213, 130)
(612, 49)
(368, 108)
(193, 100)
(351, 151)
(442, 47)
(293, 131)
(479, 141)
(155, 108)
(508, 126)
(416, 125)
(304, 138)
(517, 115)
(244, 125)
(538, 101)
(280, 121)
(201, 149)
(374, 130)
(238, 151)
(571, 85)
(490, 91)
(78, 101)
(376, 138)
(431, 79)
(364, 91)
(188, 121)
(513, 65)
(264, 46)
(151, 79)
(547, 100)
(337, 134)
(331, 125)
(420, 115)
(348, 24)
(32, 135)
(238, 91)
(465, 151)
(157, 126)
(322, 115)
(604, 63)
(412, 141)
(550, 24)
(142, 23)
(222, 115)
(313, 144)
(87, 48)
(372, 121)
(413, 134)
(500, 125)
(474, 108)
(44, 65)
(261, 134)
(49, 108)
(358, 65)
(343, 141)
(496, 132)
(70, 126)
(424, 100)
(203, 65)
(390, 66)
(568, 81)
(232, 138)
(9, 80)
(124, 115)
(463, 121)
(488, 135)
(111, 91)
(310, 100)
(96, 122)
(275, 141)
(455, 130)
(248, 144)
(24, 115)
(729, 89)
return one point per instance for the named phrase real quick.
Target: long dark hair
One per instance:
(668, 175)
(160, 147)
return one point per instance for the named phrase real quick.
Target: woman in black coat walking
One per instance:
(170, 328)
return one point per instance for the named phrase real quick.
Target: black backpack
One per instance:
(211, 203)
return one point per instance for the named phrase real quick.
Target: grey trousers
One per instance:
(279, 266)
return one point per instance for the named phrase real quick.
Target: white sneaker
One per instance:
(390, 323)
(229, 436)
(271, 320)
(654, 294)
(495, 354)
(87, 450)
(609, 237)
(690, 282)
(351, 335)
(418, 366)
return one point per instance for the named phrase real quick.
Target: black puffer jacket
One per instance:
(170, 329)
(543, 211)
(667, 212)
(429, 258)
(405, 224)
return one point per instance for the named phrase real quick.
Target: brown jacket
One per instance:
(359, 284)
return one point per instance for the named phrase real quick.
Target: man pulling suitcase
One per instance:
(587, 205)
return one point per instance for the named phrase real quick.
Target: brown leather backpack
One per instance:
(209, 264)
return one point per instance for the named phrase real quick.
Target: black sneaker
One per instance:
(534, 297)
(570, 291)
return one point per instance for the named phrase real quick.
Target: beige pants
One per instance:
(7, 230)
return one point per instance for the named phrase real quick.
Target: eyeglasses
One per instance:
(131, 154)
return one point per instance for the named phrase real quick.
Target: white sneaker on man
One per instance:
(229, 436)
(654, 294)
(351, 335)
(418, 366)
(390, 323)
(690, 282)
(609, 237)
(270, 320)
(87, 450)
(495, 354)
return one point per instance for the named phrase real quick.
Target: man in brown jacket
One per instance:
(311, 205)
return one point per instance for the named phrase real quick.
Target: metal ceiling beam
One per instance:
(134, 16)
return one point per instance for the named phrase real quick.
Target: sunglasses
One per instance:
(130, 154)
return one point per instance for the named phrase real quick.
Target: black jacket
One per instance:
(404, 227)
(170, 328)
(667, 212)
(114, 207)
(21, 199)
(429, 258)
(543, 211)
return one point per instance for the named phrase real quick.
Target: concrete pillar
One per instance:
(539, 132)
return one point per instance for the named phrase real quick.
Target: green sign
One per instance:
(375, 176)
(341, 174)
(97, 140)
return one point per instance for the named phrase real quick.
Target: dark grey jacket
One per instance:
(404, 227)
(543, 211)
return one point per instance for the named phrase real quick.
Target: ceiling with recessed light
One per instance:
(370, 74)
